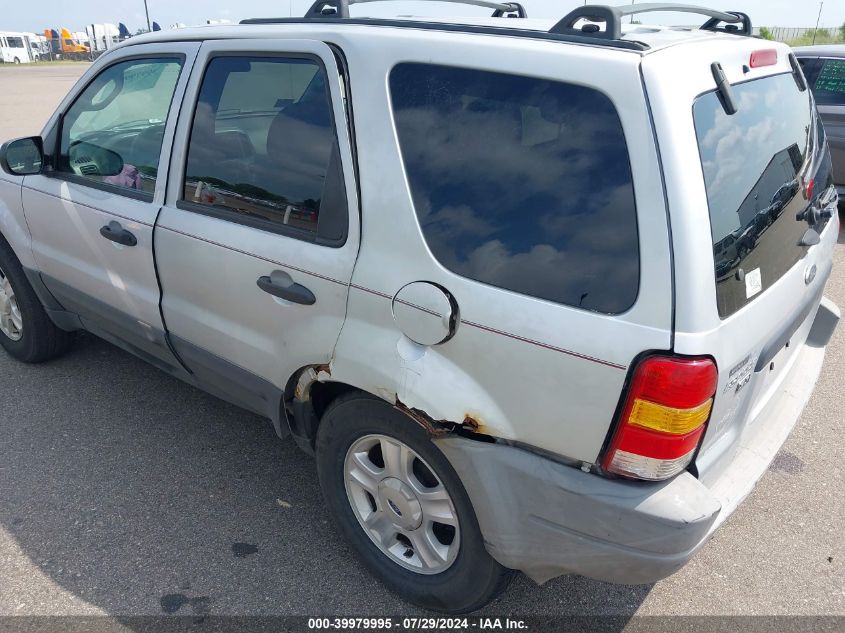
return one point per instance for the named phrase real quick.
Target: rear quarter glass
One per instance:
(520, 183)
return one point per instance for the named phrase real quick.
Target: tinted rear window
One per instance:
(520, 183)
(754, 162)
(829, 87)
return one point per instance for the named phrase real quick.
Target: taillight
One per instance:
(809, 185)
(764, 57)
(663, 419)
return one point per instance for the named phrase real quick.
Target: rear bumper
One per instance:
(548, 519)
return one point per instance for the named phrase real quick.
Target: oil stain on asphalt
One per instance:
(787, 462)
(242, 550)
(172, 602)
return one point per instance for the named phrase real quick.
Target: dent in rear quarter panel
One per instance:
(479, 381)
(518, 368)
(12, 221)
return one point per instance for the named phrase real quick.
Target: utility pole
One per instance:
(818, 19)
(147, 11)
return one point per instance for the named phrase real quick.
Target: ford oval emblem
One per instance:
(810, 274)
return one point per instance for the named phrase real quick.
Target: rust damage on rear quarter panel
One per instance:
(302, 391)
(438, 428)
(472, 422)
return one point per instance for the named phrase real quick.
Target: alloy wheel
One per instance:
(11, 321)
(401, 504)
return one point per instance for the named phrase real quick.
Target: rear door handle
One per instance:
(116, 233)
(279, 284)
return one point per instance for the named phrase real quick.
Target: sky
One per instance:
(75, 14)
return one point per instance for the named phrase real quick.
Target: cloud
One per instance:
(736, 149)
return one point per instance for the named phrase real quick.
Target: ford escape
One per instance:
(538, 295)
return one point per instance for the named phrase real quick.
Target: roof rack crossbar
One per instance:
(730, 26)
(612, 18)
(340, 8)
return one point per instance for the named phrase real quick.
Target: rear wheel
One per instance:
(403, 508)
(17, 61)
(26, 331)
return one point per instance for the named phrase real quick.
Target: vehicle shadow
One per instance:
(139, 495)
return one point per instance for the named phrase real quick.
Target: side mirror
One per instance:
(22, 156)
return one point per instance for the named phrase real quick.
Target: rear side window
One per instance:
(520, 183)
(755, 162)
(829, 87)
(263, 148)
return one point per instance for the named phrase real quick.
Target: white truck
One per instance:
(102, 36)
(14, 48)
(38, 47)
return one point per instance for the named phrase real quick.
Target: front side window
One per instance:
(829, 87)
(113, 132)
(520, 183)
(263, 147)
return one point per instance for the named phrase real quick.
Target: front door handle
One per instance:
(116, 233)
(279, 284)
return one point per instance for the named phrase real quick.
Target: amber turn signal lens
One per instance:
(658, 417)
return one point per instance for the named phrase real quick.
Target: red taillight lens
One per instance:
(765, 57)
(809, 185)
(663, 419)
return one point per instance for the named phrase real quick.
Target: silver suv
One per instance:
(479, 268)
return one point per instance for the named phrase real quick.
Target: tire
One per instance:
(17, 61)
(472, 578)
(37, 339)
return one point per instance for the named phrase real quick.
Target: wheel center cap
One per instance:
(399, 502)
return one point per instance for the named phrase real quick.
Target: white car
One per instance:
(468, 264)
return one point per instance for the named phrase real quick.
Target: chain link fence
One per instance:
(785, 34)
(804, 35)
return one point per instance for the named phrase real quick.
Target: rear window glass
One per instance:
(520, 183)
(829, 88)
(754, 164)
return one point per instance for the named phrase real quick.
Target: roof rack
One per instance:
(337, 12)
(509, 31)
(340, 8)
(612, 18)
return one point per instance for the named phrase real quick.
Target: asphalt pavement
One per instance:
(126, 492)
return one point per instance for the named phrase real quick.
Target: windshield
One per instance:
(754, 163)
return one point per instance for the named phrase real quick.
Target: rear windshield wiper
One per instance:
(723, 89)
(797, 75)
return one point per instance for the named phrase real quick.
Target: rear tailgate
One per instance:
(746, 286)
